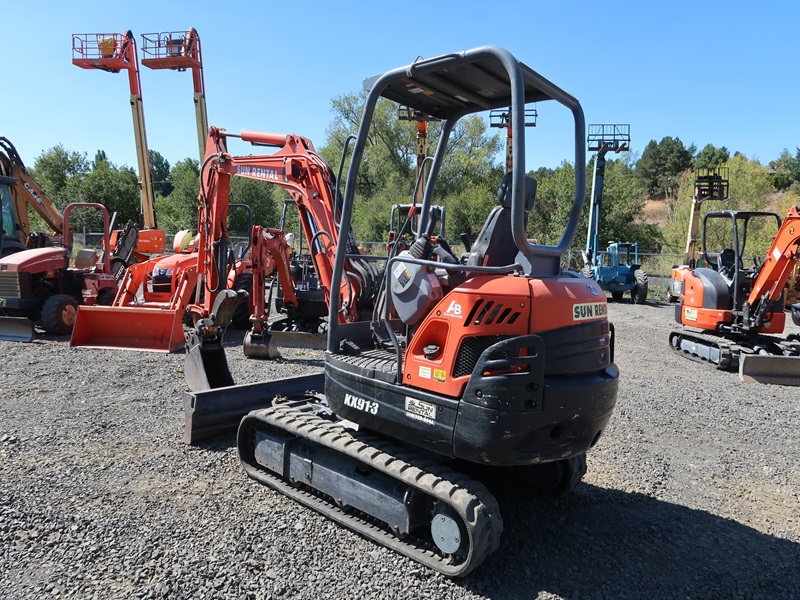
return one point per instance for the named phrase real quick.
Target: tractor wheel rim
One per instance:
(68, 315)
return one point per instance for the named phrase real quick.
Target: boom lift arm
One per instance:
(180, 50)
(115, 52)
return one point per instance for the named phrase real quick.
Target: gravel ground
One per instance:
(693, 492)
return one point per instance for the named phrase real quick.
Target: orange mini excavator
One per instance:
(733, 312)
(494, 360)
(156, 309)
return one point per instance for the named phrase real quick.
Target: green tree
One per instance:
(750, 188)
(661, 164)
(710, 157)
(466, 185)
(159, 166)
(262, 197)
(117, 188)
(179, 210)
(58, 171)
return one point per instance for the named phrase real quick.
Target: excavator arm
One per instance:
(297, 168)
(776, 269)
(28, 193)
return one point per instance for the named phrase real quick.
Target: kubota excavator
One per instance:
(499, 361)
(738, 308)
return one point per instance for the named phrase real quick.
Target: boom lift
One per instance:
(709, 184)
(505, 361)
(618, 270)
(115, 52)
(180, 50)
(501, 118)
(737, 308)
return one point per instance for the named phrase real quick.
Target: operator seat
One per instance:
(495, 245)
(727, 264)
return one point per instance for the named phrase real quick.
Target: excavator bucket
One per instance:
(767, 368)
(206, 366)
(129, 327)
(16, 329)
(260, 345)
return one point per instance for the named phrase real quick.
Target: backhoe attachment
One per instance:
(206, 366)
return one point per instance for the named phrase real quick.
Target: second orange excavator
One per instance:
(201, 289)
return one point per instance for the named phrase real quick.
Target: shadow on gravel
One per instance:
(602, 543)
(219, 443)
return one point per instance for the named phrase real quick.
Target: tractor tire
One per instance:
(106, 297)
(59, 313)
(617, 295)
(587, 272)
(241, 314)
(639, 291)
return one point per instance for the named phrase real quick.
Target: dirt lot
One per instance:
(693, 491)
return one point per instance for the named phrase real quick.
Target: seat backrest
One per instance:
(726, 262)
(495, 245)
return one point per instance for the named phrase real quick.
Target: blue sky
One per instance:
(706, 72)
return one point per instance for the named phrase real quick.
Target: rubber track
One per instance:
(477, 508)
(729, 351)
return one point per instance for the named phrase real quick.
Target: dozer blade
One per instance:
(260, 345)
(16, 329)
(216, 412)
(300, 339)
(128, 327)
(766, 368)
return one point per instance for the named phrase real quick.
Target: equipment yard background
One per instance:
(693, 491)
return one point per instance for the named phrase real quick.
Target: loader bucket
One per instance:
(128, 327)
(16, 329)
(766, 368)
(206, 366)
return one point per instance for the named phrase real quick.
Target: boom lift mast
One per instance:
(501, 118)
(618, 270)
(115, 52)
(709, 184)
(180, 50)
